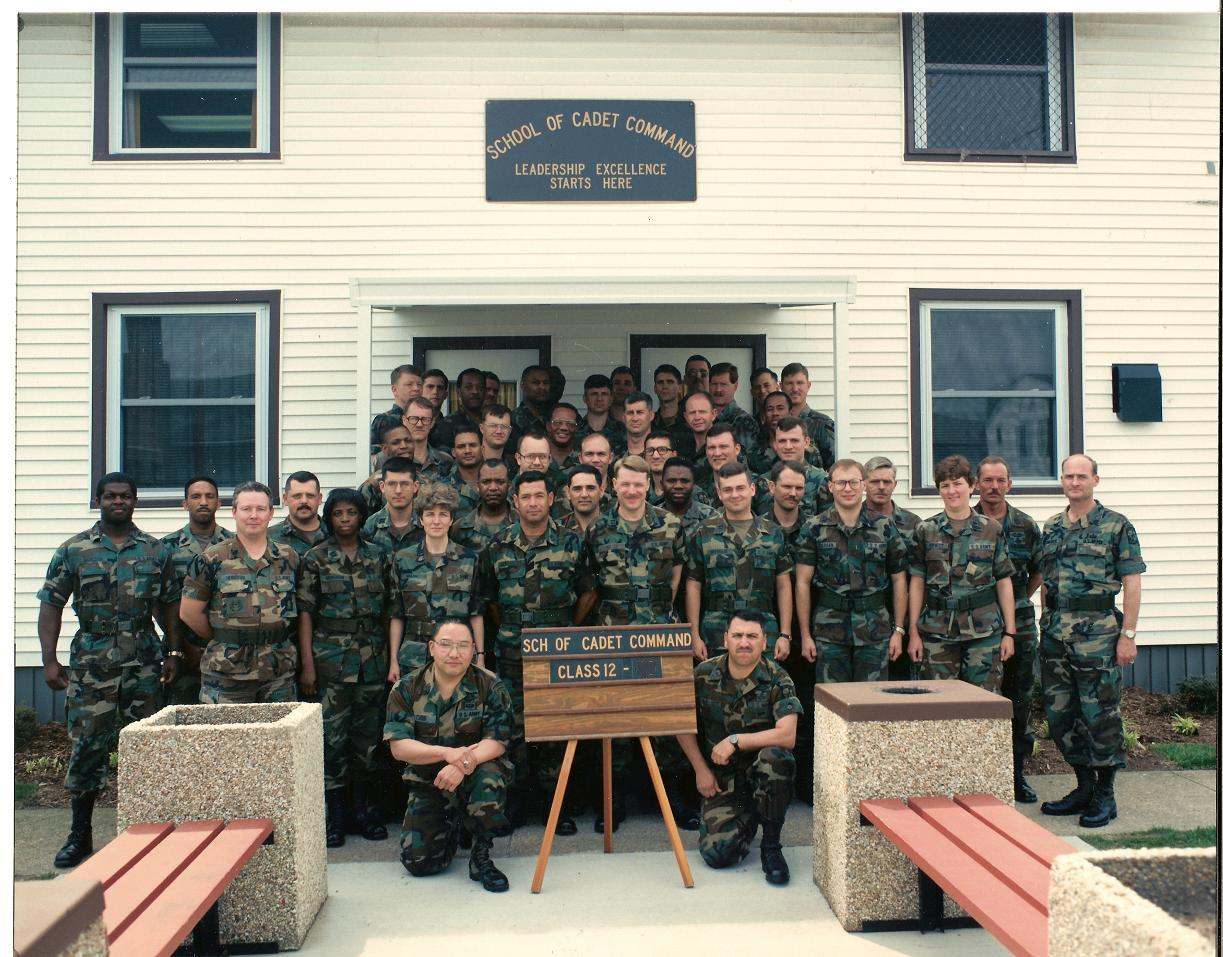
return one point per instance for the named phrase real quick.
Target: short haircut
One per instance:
(780, 466)
(951, 468)
(191, 481)
(492, 464)
(667, 369)
(116, 478)
(696, 357)
(841, 464)
(596, 381)
(634, 463)
(437, 495)
(533, 475)
(466, 372)
(345, 496)
(994, 460)
(593, 435)
(788, 422)
(794, 368)
(388, 427)
(880, 462)
(302, 477)
(577, 416)
(490, 376)
(536, 367)
(495, 408)
(421, 403)
(726, 369)
(460, 622)
(761, 370)
(634, 397)
(465, 430)
(533, 433)
(400, 464)
(242, 487)
(583, 470)
(437, 374)
(777, 395)
(622, 370)
(660, 434)
(678, 462)
(1095, 468)
(722, 428)
(732, 469)
(752, 616)
(693, 394)
(406, 369)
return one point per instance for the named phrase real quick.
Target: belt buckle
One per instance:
(643, 592)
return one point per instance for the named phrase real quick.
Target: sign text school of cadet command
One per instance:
(628, 653)
(590, 150)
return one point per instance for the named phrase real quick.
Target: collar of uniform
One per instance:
(286, 527)
(520, 539)
(974, 523)
(219, 535)
(272, 551)
(753, 529)
(427, 682)
(95, 534)
(1006, 516)
(650, 517)
(451, 552)
(742, 685)
(1091, 518)
(830, 516)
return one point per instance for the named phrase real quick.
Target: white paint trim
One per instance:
(365, 403)
(840, 378)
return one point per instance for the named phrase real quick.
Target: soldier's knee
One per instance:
(722, 853)
(421, 866)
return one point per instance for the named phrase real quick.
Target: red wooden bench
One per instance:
(161, 882)
(993, 861)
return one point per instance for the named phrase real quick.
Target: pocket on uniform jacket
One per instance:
(332, 586)
(425, 730)
(284, 589)
(234, 594)
(147, 574)
(94, 587)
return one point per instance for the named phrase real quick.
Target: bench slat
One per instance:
(1012, 825)
(113, 861)
(165, 923)
(131, 893)
(1015, 923)
(1009, 863)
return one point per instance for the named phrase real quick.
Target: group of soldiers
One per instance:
(400, 606)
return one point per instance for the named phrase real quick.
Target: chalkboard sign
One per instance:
(589, 150)
(581, 683)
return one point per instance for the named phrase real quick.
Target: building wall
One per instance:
(800, 139)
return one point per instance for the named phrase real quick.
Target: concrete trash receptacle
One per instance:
(879, 739)
(227, 762)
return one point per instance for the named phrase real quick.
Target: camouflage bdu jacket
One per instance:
(904, 521)
(378, 528)
(817, 494)
(114, 593)
(286, 533)
(533, 585)
(349, 601)
(851, 566)
(177, 551)
(472, 531)
(1083, 563)
(613, 430)
(823, 434)
(251, 605)
(725, 706)
(743, 423)
(736, 573)
(632, 568)
(961, 569)
(436, 587)
(393, 415)
(479, 709)
(1022, 536)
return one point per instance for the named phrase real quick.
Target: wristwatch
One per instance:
(783, 635)
(899, 629)
(175, 654)
(734, 741)
(1130, 633)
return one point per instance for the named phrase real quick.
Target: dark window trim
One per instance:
(697, 343)
(422, 344)
(101, 102)
(102, 301)
(1074, 378)
(1068, 155)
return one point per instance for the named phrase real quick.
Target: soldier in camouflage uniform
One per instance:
(466, 475)
(796, 383)
(776, 408)
(302, 529)
(531, 414)
(1087, 555)
(406, 381)
(722, 448)
(476, 528)
(396, 526)
(597, 394)
(451, 723)
(437, 579)
(737, 561)
(432, 464)
(880, 484)
(113, 573)
(961, 605)
(788, 445)
(1019, 671)
(723, 381)
(470, 385)
(584, 499)
(346, 594)
(396, 441)
(245, 607)
(530, 575)
(847, 559)
(746, 716)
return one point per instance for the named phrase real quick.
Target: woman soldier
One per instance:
(346, 591)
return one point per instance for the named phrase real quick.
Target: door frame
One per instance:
(421, 345)
(757, 342)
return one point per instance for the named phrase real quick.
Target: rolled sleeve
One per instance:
(57, 588)
(917, 555)
(199, 580)
(784, 699)
(1003, 566)
(307, 586)
(1128, 554)
(499, 714)
(400, 725)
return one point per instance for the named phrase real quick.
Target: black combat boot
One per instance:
(771, 861)
(365, 817)
(618, 814)
(1103, 806)
(480, 866)
(80, 839)
(335, 800)
(1078, 799)
(685, 802)
(1023, 791)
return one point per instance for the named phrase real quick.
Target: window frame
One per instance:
(108, 98)
(1069, 154)
(107, 308)
(1069, 372)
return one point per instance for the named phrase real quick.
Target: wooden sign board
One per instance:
(613, 682)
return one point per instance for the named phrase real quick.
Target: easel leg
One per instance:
(607, 796)
(667, 817)
(545, 849)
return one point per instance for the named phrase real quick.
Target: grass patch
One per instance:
(1156, 837)
(1190, 755)
(23, 790)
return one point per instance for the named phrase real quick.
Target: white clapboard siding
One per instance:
(800, 173)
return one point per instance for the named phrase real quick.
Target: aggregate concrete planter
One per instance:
(1134, 902)
(873, 740)
(231, 761)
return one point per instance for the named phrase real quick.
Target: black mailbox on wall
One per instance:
(1138, 394)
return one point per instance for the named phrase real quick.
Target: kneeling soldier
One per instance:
(748, 716)
(450, 723)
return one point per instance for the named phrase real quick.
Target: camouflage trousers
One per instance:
(434, 817)
(836, 661)
(538, 765)
(1082, 690)
(185, 689)
(353, 713)
(413, 654)
(102, 699)
(754, 789)
(975, 660)
(237, 687)
(805, 674)
(1018, 676)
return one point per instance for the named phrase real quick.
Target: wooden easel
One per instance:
(558, 800)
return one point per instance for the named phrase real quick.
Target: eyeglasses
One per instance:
(846, 483)
(451, 646)
(534, 456)
(658, 451)
(419, 419)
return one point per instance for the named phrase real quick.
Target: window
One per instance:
(996, 373)
(989, 86)
(186, 86)
(188, 386)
